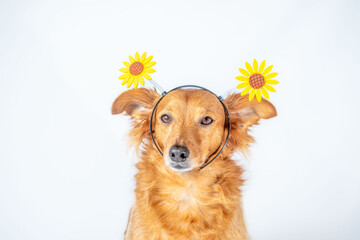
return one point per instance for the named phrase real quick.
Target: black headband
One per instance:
(198, 87)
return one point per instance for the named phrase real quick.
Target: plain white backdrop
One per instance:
(64, 169)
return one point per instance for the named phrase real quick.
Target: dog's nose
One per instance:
(178, 153)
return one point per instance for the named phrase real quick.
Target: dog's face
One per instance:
(190, 125)
(189, 128)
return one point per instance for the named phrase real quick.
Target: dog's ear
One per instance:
(136, 103)
(245, 113)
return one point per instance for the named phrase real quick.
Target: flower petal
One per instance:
(270, 88)
(132, 60)
(142, 82)
(126, 79)
(251, 95)
(272, 82)
(271, 75)
(148, 59)
(242, 85)
(244, 72)
(255, 65)
(130, 82)
(150, 64)
(143, 57)
(246, 90)
(137, 57)
(267, 70)
(149, 70)
(136, 82)
(127, 64)
(124, 76)
(124, 70)
(262, 66)
(242, 78)
(264, 92)
(258, 95)
(249, 68)
(145, 75)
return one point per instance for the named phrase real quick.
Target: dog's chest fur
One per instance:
(188, 205)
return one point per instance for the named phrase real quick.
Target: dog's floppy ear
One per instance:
(245, 113)
(137, 103)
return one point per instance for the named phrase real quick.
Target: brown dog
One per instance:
(173, 199)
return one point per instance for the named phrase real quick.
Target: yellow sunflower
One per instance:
(257, 79)
(137, 70)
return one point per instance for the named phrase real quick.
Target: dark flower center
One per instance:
(256, 81)
(136, 68)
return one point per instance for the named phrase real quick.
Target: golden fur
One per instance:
(196, 204)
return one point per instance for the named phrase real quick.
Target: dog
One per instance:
(174, 200)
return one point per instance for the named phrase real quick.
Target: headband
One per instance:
(197, 87)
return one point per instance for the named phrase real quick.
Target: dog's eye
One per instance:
(207, 120)
(165, 118)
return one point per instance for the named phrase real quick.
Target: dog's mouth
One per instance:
(180, 167)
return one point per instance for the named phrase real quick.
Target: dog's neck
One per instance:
(199, 200)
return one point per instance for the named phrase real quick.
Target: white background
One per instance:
(64, 169)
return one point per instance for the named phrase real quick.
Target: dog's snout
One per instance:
(178, 153)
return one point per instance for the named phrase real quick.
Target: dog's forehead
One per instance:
(196, 98)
